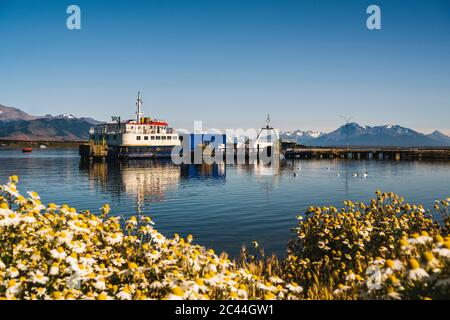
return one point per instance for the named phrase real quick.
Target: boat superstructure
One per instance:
(142, 137)
(268, 139)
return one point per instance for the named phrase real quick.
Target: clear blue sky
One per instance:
(229, 63)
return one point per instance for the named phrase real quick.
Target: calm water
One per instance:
(224, 207)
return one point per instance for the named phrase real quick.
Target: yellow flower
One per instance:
(177, 291)
(200, 282)
(269, 296)
(132, 265)
(389, 263)
(428, 256)
(102, 296)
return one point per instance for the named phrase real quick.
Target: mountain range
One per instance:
(16, 124)
(354, 134)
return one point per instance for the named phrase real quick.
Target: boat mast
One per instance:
(268, 128)
(138, 104)
(268, 122)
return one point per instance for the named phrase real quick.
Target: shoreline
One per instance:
(37, 143)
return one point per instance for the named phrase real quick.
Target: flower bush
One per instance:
(333, 248)
(388, 249)
(55, 252)
(419, 268)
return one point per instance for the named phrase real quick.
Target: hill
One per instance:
(12, 114)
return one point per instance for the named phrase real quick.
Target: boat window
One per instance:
(158, 138)
(164, 137)
(169, 138)
(146, 138)
(153, 137)
(138, 137)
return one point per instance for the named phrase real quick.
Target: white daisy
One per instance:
(77, 246)
(13, 272)
(58, 253)
(100, 285)
(421, 240)
(115, 238)
(40, 292)
(29, 219)
(87, 260)
(443, 252)
(11, 219)
(39, 277)
(54, 270)
(124, 295)
(13, 289)
(295, 288)
(242, 294)
(417, 274)
(155, 285)
(65, 236)
(341, 289)
(276, 280)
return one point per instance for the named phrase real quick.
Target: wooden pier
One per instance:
(93, 151)
(374, 153)
(97, 151)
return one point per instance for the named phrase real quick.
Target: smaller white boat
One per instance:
(42, 146)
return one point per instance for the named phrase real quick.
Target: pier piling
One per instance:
(379, 153)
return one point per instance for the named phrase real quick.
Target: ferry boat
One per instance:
(143, 137)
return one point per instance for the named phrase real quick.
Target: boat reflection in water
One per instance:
(216, 171)
(146, 180)
(272, 169)
(267, 175)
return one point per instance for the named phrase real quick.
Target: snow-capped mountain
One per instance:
(68, 116)
(387, 135)
(300, 136)
(18, 125)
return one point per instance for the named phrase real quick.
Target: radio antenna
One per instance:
(138, 104)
